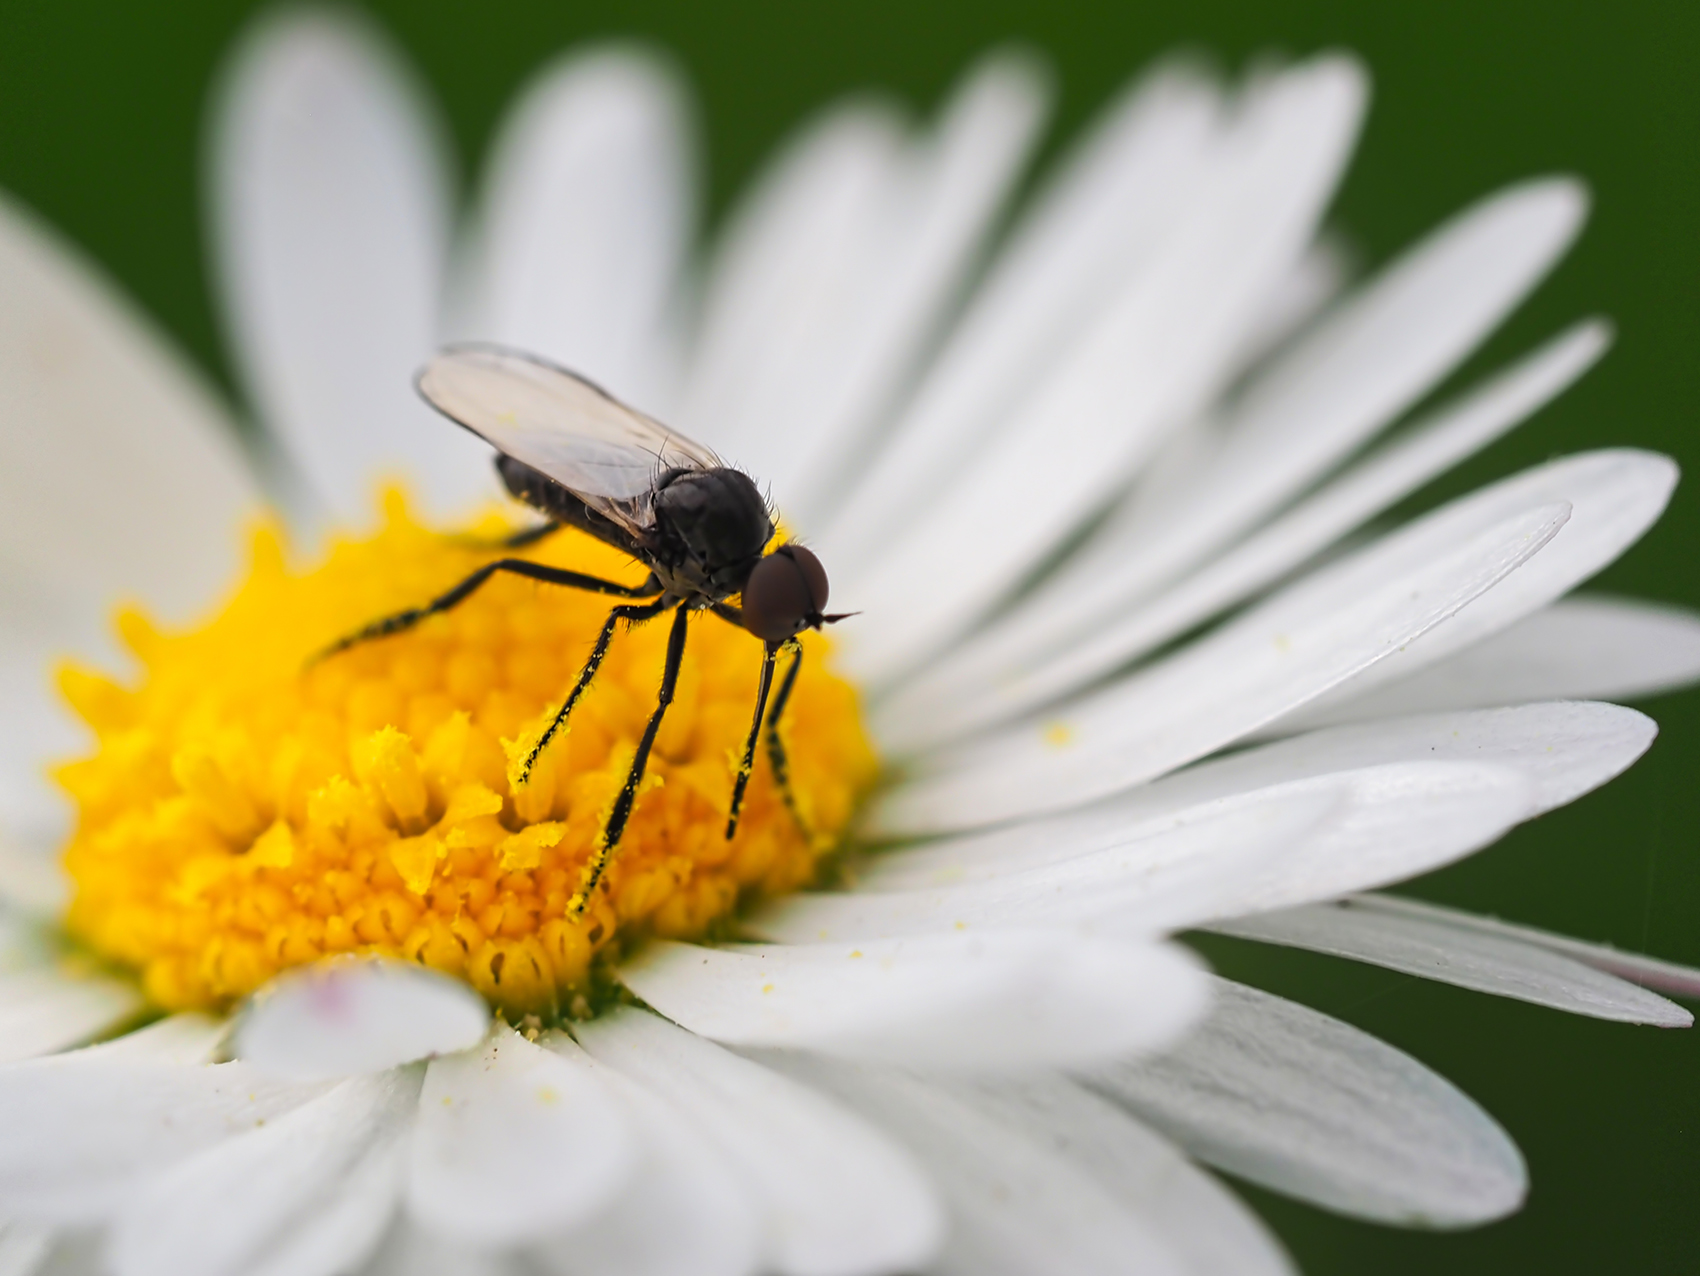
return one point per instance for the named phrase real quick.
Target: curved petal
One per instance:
(989, 679)
(586, 216)
(1649, 972)
(409, 1251)
(1587, 648)
(838, 1197)
(1501, 965)
(308, 1195)
(1311, 1107)
(1282, 654)
(357, 1015)
(714, 1227)
(330, 217)
(940, 1000)
(514, 1142)
(1155, 357)
(23, 1248)
(1616, 495)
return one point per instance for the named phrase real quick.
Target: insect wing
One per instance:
(606, 454)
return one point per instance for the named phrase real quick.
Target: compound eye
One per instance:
(785, 594)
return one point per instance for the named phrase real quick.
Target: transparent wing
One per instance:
(606, 454)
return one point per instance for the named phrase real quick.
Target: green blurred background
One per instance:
(100, 118)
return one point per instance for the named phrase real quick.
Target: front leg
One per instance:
(616, 826)
(776, 747)
(631, 615)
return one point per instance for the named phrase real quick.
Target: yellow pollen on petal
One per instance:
(247, 809)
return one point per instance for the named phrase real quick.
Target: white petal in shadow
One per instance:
(1649, 972)
(120, 474)
(1562, 750)
(357, 1015)
(32, 881)
(330, 211)
(586, 216)
(1500, 965)
(1579, 648)
(514, 1142)
(1286, 652)
(45, 1009)
(1352, 375)
(1154, 358)
(981, 1000)
(407, 1251)
(309, 1195)
(84, 1128)
(1313, 1108)
(713, 1226)
(1101, 216)
(988, 679)
(1018, 1202)
(1285, 845)
(1616, 496)
(838, 1197)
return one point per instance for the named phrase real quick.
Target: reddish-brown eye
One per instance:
(785, 594)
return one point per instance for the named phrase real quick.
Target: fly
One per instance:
(582, 459)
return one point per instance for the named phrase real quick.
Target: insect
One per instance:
(582, 459)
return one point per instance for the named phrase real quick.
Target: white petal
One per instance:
(188, 1040)
(840, 268)
(586, 215)
(1616, 496)
(1649, 972)
(32, 881)
(1311, 1107)
(1503, 966)
(357, 1015)
(1289, 844)
(1561, 750)
(330, 212)
(1579, 648)
(82, 1128)
(119, 472)
(1147, 873)
(22, 1248)
(1333, 390)
(988, 999)
(45, 1010)
(1099, 219)
(713, 1223)
(1152, 360)
(1018, 1203)
(840, 1199)
(1284, 653)
(988, 678)
(308, 1195)
(513, 1142)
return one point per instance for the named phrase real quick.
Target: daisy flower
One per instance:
(1102, 471)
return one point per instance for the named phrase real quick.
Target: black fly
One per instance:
(573, 452)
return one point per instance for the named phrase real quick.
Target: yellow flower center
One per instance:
(245, 811)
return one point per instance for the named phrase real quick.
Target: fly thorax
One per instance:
(712, 525)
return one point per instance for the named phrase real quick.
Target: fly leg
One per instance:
(776, 747)
(514, 540)
(632, 614)
(403, 620)
(610, 839)
(747, 762)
